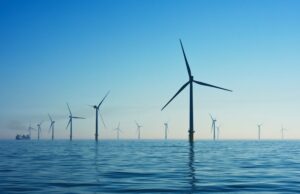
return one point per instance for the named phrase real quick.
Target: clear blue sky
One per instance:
(55, 51)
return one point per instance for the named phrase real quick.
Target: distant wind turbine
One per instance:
(118, 130)
(259, 130)
(166, 130)
(39, 129)
(190, 83)
(96, 107)
(51, 127)
(138, 129)
(29, 130)
(71, 117)
(213, 127)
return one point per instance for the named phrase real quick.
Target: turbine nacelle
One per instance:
(138, 125)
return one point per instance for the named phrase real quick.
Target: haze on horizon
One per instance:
(53, 52)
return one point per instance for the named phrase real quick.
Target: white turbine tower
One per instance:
(51, 127)
(118, 130)
(138, 129)
(70, 123)
(213, 127)
(166, 130)
(282, 132)
(259, 130)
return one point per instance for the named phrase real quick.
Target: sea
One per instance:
(149, 166)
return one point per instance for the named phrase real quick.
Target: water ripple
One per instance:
(149, 167)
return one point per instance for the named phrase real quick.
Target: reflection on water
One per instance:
(192, 168)
(96, 165)
(149, 167)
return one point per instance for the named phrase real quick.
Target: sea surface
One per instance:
(149, 166)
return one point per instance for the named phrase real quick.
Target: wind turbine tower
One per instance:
(190, 82)
(259, 130)
(138, 129)
(70, 123)
(166, 130)
(96, 107)
(118, 130)
(213, 127)
(51, 127)
(282, 132)
(39, 129)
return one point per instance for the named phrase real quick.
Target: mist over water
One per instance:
(149, 166)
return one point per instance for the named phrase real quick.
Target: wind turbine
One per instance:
(282, 130)
(190, 83)
(29, 130)
(96, 107)
(51, 127)
(39, 129)
(166, 130)
(71, 117)
(213, 127)
(259, 129)
(138, 129)
(118, 130)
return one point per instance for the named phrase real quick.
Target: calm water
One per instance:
(149, 167)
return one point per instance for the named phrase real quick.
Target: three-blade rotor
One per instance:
(71, 116)
(191, 79)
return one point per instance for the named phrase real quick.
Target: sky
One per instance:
(58, 51)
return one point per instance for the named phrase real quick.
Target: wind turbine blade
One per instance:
(176, 94)
(209, 85)
(69, 109)
(103, 99)
(136, 123)
(102, 120)
(78, 117)
(68, 123)
(211, 117)
(185, 59)
(50, 118)
(90, 105)
(50, 128)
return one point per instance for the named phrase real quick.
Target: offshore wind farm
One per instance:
(108, 97)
